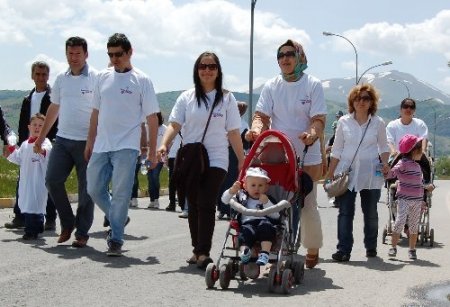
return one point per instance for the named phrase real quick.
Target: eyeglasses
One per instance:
(209, 66)
(365, 98)
(117, 54)
(288, 54)
(408, 106)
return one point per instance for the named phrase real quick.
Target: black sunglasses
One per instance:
(209, 66)
(117, 54)
(289, 54)
(408, 106)
(365, 98)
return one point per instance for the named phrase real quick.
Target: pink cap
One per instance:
(407, 143)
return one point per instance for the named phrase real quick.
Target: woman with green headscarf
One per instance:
(293, 103)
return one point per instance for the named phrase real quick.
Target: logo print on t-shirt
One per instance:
(305, 100)
(125, 91)
(87, 91)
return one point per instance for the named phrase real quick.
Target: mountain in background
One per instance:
(435, 110)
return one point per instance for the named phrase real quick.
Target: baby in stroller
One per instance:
(410, 191)
(253, 228)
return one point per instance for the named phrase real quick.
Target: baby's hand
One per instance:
(235, 187)
(429, 187)
(263, 198)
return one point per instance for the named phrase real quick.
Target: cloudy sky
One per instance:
(168, 35)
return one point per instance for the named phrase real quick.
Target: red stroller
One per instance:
(273, 152)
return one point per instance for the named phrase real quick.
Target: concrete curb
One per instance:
(73, 198)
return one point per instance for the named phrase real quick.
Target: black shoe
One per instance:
(170, 207)
(50, 225)
(15, 223)
(114, 249)
(340, 257)
(30, 236)
(370, 253)
(105, 222)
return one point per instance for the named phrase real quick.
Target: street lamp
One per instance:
(404, 84)
(250, 78)
(448, 63)
(371, 67)
(434, 126)
(354, 48)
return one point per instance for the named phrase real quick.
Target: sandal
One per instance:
(311, 260)
(203, 261)
(192, 260)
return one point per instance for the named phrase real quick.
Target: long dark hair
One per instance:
(199, 91)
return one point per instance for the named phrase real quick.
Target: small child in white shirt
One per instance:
(262, 229)
(33, 166)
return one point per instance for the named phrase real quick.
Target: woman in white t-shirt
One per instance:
(191, 111)
(293, 103)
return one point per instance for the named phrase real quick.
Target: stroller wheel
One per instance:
(299, 271)
(287, 281)
(431, 237)
(225, 275)
(274, 279)
(211, 275)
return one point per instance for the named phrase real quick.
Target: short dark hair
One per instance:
(119, 40)
(40, 64)
(76, 41)
(406, 100)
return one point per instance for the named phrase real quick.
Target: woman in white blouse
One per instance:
(367, 168)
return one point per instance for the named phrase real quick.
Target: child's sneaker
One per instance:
(392, 252)
(245, 255)
(412, 254)
(263, 259)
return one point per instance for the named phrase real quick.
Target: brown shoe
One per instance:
(311, 260)
(80, 242)
(65, 235)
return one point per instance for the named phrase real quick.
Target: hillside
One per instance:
(427, 110)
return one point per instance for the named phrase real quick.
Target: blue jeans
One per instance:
(64, 156)
(369, 200)
(34, 223)
(153, 181)
(118, 168)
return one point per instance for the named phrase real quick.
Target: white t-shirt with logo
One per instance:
(395, 130)
(193, 119)
(290, 106)
(123, 100)
(74, 96)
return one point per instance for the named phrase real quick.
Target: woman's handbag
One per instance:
(339, 184)
(191, 163)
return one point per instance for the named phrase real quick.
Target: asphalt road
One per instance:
(153, 271)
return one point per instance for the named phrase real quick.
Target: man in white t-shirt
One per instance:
(408, 124)
(123, 97)
(71, 99)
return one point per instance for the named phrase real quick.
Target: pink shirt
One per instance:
(409, 175)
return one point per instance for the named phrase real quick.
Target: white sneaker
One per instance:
(134, 202)
(154, 204)
(183, 215)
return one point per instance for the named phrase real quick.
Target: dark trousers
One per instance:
(231, 177)
(34, 223)
(202, 210)
(50, 214)
(172, 188)
(64, 156)
(256, 230)
(135, 190)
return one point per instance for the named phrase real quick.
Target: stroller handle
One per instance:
(283, 204)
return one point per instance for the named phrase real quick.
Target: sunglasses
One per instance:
(288, 54)
(117, 54)
(365, 98)
(209, 66)
(408, 106)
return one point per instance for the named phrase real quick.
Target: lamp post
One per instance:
(371, 67)
(354, 48)
(250, 78)
(434, 126)
(404, 84)
(448, 64)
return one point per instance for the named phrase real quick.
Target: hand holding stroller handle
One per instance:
(259, 213)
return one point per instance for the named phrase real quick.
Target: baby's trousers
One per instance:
(257, 230)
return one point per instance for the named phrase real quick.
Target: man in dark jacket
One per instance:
(37, 101)
(4, 130)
